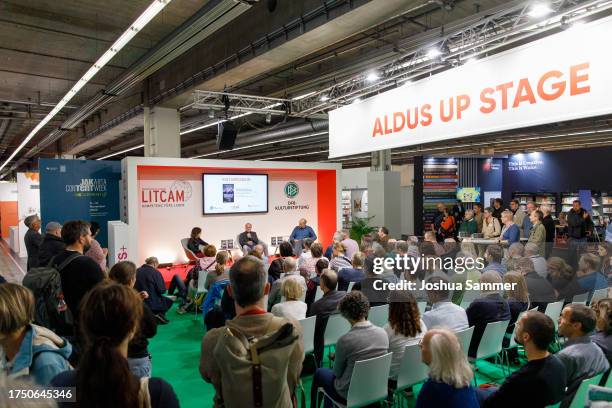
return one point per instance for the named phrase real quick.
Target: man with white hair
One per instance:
(248, 240)
(330, 248)
(52, 243)
(352, 247)
(32, 240)
(532, 251)
(299, 233)
(290, 272)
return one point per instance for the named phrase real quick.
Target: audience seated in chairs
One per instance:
(443, 312)
(339, 260)
(450, 373)
(563, 279)
(323, 308)
(28, 351)
(541, 291)
(196, 244)
(290, 272)
(150, 280)
(581, 357)
(208, 261)
(219, 271)
(539, 383)
(353, 274)
(515, 251)
(248, 288)
(490, 307)
(306, 264)
(276, 267)
(517, 298)
(369, 282)
(603, 330)
(139, 359)
(313, 283)
(305, 252)
(589, 273)
(493, 255)
(109, 319)
(352, 247)
(362, 342)
(532, 251)
(405, 327)
(292, 305)
(330, 248)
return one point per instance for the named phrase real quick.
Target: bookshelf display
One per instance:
(440, 182)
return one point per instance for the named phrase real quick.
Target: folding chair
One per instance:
(491, 342)
(412, 371)
(379, 315)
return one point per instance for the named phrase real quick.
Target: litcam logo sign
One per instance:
(176, 195)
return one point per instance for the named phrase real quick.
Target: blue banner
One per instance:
(80, 190)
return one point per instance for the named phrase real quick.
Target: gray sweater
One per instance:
(362, 342)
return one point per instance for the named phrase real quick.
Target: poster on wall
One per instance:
(468, 194)
(28, 197)
(80, 189)
(9, 216)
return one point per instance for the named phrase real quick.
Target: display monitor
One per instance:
(234, 193)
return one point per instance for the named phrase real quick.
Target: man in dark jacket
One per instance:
(32, 240)
(248, 239)
(549, 226)
(489, 308)
(576, 230)
(150, 280)
(52, 243)
(323, 308)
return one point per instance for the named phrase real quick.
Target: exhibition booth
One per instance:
(163, 198)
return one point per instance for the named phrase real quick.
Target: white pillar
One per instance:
(161, 132)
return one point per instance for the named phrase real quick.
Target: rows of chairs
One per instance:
(366, 389)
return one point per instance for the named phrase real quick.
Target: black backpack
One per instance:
(46, 285)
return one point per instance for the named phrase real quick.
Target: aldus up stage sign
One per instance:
(561, 77)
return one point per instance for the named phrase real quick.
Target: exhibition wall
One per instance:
(165, 200)
(8, 208)
(28, 196)
(80, 189)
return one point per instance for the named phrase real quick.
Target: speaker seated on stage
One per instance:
(299, 233)
(248, 240)
(196, 244)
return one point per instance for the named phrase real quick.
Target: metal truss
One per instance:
(232, 103)
(456, 47)
(463, 41)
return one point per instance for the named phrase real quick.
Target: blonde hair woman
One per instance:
(27, 350)
(220, 271)
(450, 374)
(292, 306)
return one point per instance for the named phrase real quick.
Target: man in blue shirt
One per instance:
(299, 233)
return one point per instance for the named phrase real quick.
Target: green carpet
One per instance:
(176, 358)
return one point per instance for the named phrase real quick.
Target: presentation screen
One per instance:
(235, 193)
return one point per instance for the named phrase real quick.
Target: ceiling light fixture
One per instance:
(540, 10)
(434, 53)
(324, 98)
(122, 151)
(372, 77)
(154, 8)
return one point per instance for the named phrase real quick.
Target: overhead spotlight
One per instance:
(268, 118)
(356, 100)
(372, 77)
(211, 113)
(540, 10)
(434, 53)
(324, 98)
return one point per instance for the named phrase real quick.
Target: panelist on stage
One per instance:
(299, 233)
(248, 240)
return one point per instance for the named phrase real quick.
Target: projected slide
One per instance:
(235, 193)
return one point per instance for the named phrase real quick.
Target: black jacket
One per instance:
(138, 347)
(487, 309)
(32, 241)
(576, 224)
(194, 244)
(151, 280)
(243, 239)
(51, 246)
(549, 225)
